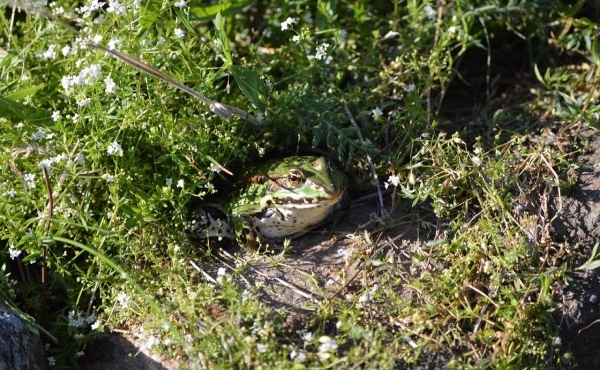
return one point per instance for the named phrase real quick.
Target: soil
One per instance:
(327, 260)
(579, 225)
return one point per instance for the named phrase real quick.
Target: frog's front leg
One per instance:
(247, 234)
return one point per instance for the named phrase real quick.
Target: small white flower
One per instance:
(65, 50)
(83, 102)
(307, 336)
(116, 7)
(50, 53)
(111, 86)
(180, 183)
(29, 179)
(430, 13)
(410, 88)
(97, 39)
(51, 361)
(112, 44)
(261, 348)
(108, 178)
(321, 53)
(55, 115)
(221, 272)
(377, 113)
(79, 354)
(169, 181)
(11, 193)
(114, 148)
(13, 252)
(285, 24)
(75, 117)
(300, 355)
(296, 38)
(181, 4)
(213, 167)
(152, 341)
(75, 322)
(392, 180)
(80, 159)
(179, 32)
(327, 345)
(38, 135)
(123, 299)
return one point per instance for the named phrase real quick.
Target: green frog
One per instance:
(276, 200)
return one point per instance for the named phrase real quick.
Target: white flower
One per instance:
(180, 183)
(51, 361)
(108, 178)
(111, 86)
(114, 148)
(377, 113)
(321, 51)
(13, 252)
(285, 24)
(116, 7)
(392, 180)
(123, 299)
(327, 345)
(307, 336)
(112, 44)
(261, 348)
(181, 4)
(300, 355)
(75, 322)
(430, 13)
(38, 135)
(65, 50)
(50, 53)
(55, 115)
(29, 179)
(296, 38)
(97, 39)
(11, 193)
(169, 181)
(410, 88)
(213, 167)
(83, 102)
(179, 32)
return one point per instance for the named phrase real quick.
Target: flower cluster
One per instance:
(288, 22)
(88, 76)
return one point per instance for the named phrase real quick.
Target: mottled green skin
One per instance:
(284, 199)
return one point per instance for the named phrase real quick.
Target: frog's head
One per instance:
(306, 181)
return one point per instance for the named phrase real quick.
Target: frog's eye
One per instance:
(295, 177)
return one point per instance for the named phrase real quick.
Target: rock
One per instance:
(20, 348)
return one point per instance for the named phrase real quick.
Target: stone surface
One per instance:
(20, 349)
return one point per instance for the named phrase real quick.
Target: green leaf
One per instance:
(208, 12)
(16, 111)
(251, 84)
(24, 93)
(593, 263)
(222, 38)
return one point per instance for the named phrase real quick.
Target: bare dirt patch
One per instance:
(579, 225)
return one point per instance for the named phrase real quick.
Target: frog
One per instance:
(276, 200)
